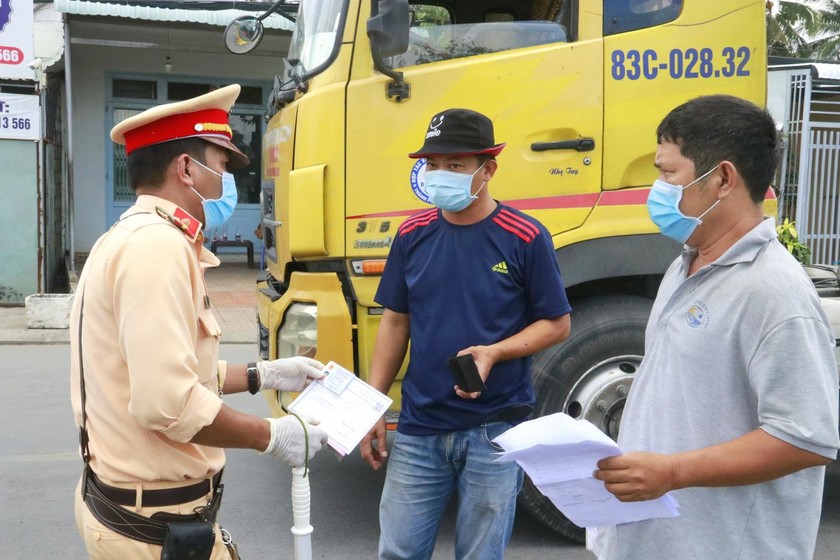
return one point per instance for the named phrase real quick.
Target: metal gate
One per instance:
(819, 210)
(809, 180)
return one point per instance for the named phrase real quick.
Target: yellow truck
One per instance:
(575, 87)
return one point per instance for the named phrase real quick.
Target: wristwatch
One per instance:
(253, 378)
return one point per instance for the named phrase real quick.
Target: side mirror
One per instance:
(388, 27)
(243, 34)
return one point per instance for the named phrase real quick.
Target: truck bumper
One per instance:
(309, 317)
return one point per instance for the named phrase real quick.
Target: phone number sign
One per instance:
(20, 117)
(17, 43)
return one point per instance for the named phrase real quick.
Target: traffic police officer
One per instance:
(147, 383)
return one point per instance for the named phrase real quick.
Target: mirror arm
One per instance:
(398, 89)
(275, 8)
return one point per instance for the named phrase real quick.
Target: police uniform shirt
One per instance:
(150, 345)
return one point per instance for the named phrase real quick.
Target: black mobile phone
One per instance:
(466, 373)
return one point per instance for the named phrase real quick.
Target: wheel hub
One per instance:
(600, 393)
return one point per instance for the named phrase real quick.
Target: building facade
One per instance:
(96, 64)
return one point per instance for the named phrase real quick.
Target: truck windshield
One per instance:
(434, 42)
(315, 34)
(457, 30)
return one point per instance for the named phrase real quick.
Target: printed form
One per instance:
(346, 406)
(560, 454)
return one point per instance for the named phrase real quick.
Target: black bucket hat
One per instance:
(461, 132)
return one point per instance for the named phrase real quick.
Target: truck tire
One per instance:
(588, 376)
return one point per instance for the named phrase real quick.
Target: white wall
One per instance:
(18, 220)
(194, 51)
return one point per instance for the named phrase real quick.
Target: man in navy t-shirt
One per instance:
(469, 277)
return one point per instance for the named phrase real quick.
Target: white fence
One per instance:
(809, 178)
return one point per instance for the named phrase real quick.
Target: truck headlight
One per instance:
(298, 335)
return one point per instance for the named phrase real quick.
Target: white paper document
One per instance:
(560, 454)
(346, 406)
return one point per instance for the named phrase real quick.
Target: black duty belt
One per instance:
(152, 529)
(156, 498)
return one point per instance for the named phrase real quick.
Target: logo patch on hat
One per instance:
(433, 128)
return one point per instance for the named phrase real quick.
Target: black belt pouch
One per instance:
(188, 540)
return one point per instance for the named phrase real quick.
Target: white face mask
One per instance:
(451, 191)
(664, 208)
(219, 210)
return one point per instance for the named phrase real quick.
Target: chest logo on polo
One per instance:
(697, 315)
(500, 267)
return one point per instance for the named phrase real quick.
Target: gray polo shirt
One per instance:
(741, 344)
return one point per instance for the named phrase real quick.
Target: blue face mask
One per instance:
(449, 190)
(219, 210)
(663, 205)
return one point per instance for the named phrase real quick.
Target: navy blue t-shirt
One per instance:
(465, 286)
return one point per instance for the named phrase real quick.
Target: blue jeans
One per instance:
(424, 471)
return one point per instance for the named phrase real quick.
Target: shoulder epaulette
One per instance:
(183, 221)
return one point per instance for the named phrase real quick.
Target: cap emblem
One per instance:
(214, 127)
(433, 128)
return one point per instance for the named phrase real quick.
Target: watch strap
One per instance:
(253, 378)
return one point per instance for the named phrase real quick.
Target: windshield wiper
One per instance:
(281, 94)
(280, 13)
(289, 66)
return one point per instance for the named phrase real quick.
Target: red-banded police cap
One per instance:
(205, 117)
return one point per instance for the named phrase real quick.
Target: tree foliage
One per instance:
(804, 29)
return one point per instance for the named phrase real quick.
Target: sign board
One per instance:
(17, 45)
(20, 116)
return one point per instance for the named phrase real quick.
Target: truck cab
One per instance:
(575, 87)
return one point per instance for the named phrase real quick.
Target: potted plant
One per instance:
(789, 237)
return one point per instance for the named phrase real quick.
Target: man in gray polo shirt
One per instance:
(734, 407)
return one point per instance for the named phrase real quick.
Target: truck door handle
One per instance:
(581, 145)
(272, 223)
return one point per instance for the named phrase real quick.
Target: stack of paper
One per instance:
(346, 407)
(560, 454)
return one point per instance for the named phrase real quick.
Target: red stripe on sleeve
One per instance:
(521, 221)
(512, 222)
(517, 232)
(423, 219)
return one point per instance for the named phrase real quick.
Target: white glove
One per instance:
(288, 441)
(289, 374)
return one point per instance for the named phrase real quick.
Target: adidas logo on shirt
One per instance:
(501, 267)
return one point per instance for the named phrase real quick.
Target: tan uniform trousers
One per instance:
(104, 544)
